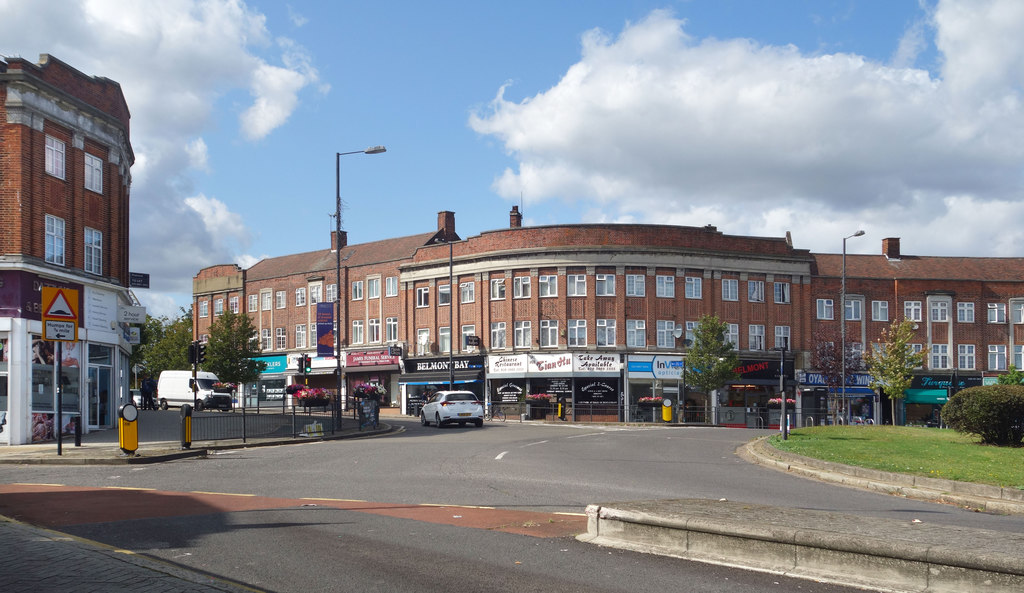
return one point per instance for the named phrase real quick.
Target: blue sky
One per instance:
(818, 118)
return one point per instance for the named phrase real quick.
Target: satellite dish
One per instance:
(678, 332)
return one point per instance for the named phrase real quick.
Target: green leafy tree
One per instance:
(1013, 377)
(232, 348)
(892, 361)
(166, 348)
(711, 361)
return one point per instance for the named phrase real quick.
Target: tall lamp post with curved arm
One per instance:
(337, 268)
(842, 324)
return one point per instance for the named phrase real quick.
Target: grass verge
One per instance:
(928, 452)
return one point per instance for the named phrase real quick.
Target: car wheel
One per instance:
(423, 419)
(163, 404)
(479, 423)
(462, 425)
(437, 418)
(199, 406)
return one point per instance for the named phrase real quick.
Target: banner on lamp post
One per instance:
(325, 329)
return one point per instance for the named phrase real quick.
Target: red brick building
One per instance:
(65, 157)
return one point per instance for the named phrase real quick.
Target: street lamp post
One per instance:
(681, 390)
(451, 323)
(783, 420)
(842, 324)
(337, 266)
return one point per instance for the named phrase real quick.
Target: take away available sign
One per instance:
(60, 314)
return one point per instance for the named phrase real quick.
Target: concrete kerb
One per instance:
(813, 544)
(981, 497)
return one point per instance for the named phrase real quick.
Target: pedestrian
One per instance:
(149, 389)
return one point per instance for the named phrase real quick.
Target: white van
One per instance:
(173, 388)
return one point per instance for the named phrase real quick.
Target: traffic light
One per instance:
(200, 353)
(192, 352)
(301, 364)
(307, 364)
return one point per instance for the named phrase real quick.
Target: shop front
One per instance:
(820, 403)
(586, 386)
(268, 391)
(653, 379)
(375, 367)
(922, 403)
(424, 376)
(754, 400)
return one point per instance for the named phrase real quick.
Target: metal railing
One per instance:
(243, 424)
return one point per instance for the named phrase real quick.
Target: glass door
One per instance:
(101, 400)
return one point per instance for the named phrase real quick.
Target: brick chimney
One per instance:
(334, 240)
(891, 247)
(515, 218)
(446, 223)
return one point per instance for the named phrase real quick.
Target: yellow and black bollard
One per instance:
(666, 410)
(186, 426)
(128, 429)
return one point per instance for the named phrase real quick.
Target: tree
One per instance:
(711, 359)
(1013, 377)
(231, 351)
(166, 347)
(891, 362)
(827, 357)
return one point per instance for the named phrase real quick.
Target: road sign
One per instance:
(60, 314)
(126, 314)
(138, 280)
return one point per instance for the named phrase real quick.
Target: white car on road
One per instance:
(447, 407)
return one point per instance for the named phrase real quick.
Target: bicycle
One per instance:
(494, 413)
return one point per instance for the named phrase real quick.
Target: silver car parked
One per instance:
(446, 407)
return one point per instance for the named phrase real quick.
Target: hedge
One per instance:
(993, 412)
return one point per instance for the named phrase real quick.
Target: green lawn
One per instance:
(931, 452)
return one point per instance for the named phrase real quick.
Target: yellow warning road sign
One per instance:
(60, 314)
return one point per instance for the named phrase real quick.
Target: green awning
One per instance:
(927, 396)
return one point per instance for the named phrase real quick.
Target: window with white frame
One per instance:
(444, 339)
(997, 357)
(279, 299)
(218, 307)
(547, 285)
(965, 356)
(694, 287)
(330, 294)
(315, 292)
(373, 331)
(576, 285)
(879, 310)
(997, 312)
(300, 335)
(548, 333)
(691, 327)
(1018, 356)
(939, 311)
(523, 334)
(357, 331)
(422, 297)
(204, 308)
(665, 287)
(1017, 312)
(940, 356)
(605, 285)
(912, 310)
(498, 335)
(854, 309)
(732, 334)
(93, 173)
(755, 335)
(782, 293)
(300, 297)
(312, 331)
(577, 335)
(281, 338)
(521, 287)
(233, 304)
(497, 289)
(467, 292)
(93, 251)
(373, 288)
(54, 157)
(357, 290)
(665, 337)
(965, 312)
(253, 303)
(467, 331)
(730, 289)
(422, 341)
(636, 333)
(636, 285)
(605, 332)
(391, 286)
(266, 298)
(391, 329)
(918, 349)
(782, 336)
(54, 240)
(755, 291)
(444, 295)
(265, 339)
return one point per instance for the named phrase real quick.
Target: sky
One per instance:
(818, 118)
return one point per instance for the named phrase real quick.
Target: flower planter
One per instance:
(315, 402)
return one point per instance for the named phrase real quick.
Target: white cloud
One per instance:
(198, 155)
(656, 126)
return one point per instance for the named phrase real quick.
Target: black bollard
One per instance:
(78, 431)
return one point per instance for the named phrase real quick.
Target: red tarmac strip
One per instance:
(55, 506)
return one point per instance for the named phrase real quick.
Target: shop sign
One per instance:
(509, 363)
(763, 369)
(441, 364)
(595, 363)
(656, 367)
(852, 380)
(20, 295)
(944, 382)
(370, 358)
(275, 364)
(549, 363)
(597, 391)
(509, 391)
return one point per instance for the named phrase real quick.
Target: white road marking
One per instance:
(500, 455)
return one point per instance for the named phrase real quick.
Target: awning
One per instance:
(927, 396)
(461, 376)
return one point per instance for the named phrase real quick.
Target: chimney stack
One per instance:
(446, 223)
(334, 240)
(891, 247)
(515, 218)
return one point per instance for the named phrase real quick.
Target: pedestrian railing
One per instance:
(243, 424)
